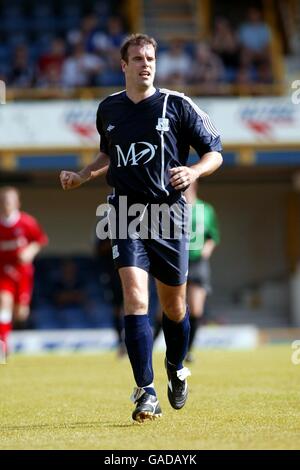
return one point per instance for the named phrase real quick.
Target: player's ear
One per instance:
(123, 65)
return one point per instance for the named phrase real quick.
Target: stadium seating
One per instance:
(45, 315)
(35, 24)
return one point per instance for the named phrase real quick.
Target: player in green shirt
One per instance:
(205, 236)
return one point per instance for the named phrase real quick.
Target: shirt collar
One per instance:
(11, 220)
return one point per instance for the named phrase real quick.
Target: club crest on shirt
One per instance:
(115, 252)
(162, 124)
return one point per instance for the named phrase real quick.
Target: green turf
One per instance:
(238, 400)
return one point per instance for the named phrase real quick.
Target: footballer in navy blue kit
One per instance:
(145, 136)
(144, 141)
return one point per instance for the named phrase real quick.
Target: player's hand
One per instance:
(25, 256)
(182, 176)
(70, 179)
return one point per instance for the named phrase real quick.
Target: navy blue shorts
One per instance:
(165, 254)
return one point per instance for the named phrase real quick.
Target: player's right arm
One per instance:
(72, 180)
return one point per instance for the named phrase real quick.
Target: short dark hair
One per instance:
(136, 40)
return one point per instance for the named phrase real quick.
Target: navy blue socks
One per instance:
(177, 340)
(139, 343)
(194, 323)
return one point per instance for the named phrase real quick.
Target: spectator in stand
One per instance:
(207, 67)
(255, 39)
(115, 31)
(81, 68)
(108, 46)
(22, 73)
(51, 80)
(244, 76)
(224, 43)
(51, 63)
(89, 29)
(173, 65)
(95, 39)
(264, 73)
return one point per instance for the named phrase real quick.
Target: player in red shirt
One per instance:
(21, 239)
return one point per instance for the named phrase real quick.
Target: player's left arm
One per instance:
(183, 176)
(198, 130)
(213, 232)
(27, 255)
(37, 238)
(208, 248)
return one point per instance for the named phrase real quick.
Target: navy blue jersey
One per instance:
(146, 139)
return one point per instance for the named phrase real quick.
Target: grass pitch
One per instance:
(238, 400)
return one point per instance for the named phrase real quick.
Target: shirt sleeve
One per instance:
(100, 128)
(199, 130)
(35, 233)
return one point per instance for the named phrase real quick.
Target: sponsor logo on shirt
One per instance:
(11, 245)
(139, 153)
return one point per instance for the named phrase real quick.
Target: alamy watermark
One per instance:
(121, 220)
(296, 94)
(2, 92)
(295, 358)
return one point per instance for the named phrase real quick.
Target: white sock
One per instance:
(149, 386)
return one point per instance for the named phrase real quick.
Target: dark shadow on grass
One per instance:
(129, 425)
(57, 427)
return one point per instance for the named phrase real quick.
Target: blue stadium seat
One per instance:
(98, 313)
(4, 53)
(70, 16)
(111, 78)
(17, 39)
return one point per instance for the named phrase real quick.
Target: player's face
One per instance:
(140, 68)
(9, 202)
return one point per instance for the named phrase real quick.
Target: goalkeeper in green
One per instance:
(205, 236)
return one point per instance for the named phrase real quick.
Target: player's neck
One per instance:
(139, 95)
(10, 220)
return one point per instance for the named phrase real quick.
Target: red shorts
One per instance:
(19, 281)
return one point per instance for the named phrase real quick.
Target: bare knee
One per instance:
(135, 301)
(135, 290)
(196, 311)
(21, 313)
(196, 297)
(175, 309)
(6, 307)
(6, 300)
